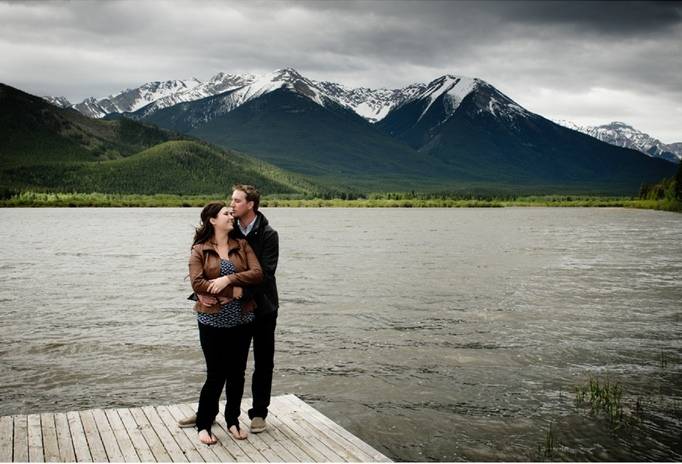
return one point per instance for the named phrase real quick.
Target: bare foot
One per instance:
(237, 433)
(206, 438)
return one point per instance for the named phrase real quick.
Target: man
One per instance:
(254, 227)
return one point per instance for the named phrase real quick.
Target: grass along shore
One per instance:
(38, 199)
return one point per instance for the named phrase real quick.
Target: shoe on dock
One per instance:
(189, 421)
(258, 425)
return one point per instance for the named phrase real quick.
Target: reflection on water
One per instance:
(432, 334)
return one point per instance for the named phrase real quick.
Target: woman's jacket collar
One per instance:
(232, 245)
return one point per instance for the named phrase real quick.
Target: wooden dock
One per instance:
(296, 433)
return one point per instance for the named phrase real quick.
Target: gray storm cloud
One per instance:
(542, 54)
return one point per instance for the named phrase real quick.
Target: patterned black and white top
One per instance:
(230, 314)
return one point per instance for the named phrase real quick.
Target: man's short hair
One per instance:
(252, 194)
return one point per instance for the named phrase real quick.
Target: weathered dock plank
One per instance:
(107, 435)
(139, 443)
(50, 444)
(186, 446)
(6, 437)
(125, 445)
(346, 439)
(95, 444)
(246, 447)
(165, 437)
(80, 442)
(346, 454)
(206, 453)
(296, 432)
(220, 449)
(313, 442)
(267, 440)
(20, 440)
(284, 435)
(66, 452)
(155, 445)
(35, 439)
(370, 453)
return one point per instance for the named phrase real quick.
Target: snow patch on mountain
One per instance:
(130, 100)
(220, 83)
(282, 78)
(371, 104)
(454, 89)
(61, 102)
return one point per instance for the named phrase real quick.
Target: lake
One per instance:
(432, 334)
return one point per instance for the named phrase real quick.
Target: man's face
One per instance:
(240, 207)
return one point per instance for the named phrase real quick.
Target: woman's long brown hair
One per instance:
(205, 231)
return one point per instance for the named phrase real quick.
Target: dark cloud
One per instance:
(85, 48)
(608, 17)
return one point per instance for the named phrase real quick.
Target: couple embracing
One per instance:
(232, 270)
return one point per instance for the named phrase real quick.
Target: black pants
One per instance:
(263, 363)
(225, 351)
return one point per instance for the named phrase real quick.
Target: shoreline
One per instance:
(75, 200)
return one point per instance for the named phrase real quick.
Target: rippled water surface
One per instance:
(432, 334)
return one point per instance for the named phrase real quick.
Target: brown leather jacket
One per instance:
(204, 265)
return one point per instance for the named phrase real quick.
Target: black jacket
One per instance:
(265, 243)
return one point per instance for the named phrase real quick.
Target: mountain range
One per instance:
(371, 104)
(455, 133)
(624, 135)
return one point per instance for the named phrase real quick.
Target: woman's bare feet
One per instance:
(206, 438)
(237, 433)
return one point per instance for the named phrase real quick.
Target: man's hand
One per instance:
(206, 300)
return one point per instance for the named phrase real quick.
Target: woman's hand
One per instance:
(219, 284)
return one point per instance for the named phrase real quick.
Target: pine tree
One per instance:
(678, 182)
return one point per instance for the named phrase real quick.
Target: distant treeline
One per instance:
(378, 200)
(666, 193)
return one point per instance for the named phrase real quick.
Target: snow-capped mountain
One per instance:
(446, 92)
(624, 135)
(227, 92)
(371, 104)
(480, 133)
(453, 131)
(130, 100)
(188, 115)
(413, 114)
(218, 84)
(282, 78)
(61, 102)
(418, 119)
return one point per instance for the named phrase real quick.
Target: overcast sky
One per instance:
(591, 63)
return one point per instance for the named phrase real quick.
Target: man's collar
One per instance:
(255, 218)
(245, 230)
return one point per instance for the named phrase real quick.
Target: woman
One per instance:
(221, 266)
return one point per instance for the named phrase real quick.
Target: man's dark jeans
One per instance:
(226, 351)
(263, 363)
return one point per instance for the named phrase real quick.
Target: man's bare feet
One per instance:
(206, 438)
(237, 433)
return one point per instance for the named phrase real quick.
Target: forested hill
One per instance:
(43, 147)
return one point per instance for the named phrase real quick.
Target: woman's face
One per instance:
(224, 220)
